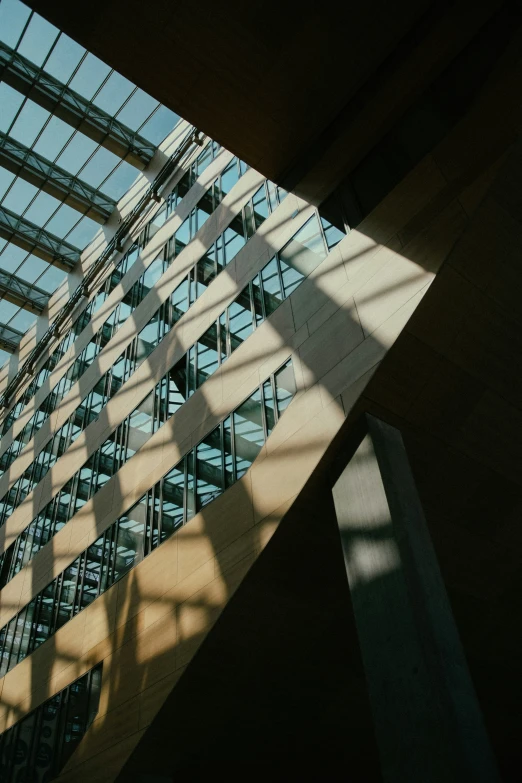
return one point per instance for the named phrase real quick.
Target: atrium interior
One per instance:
(260, 376)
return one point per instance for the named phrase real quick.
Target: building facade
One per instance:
(174, 602)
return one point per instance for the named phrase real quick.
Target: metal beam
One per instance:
(17, 291)
(37, 240)
(9, 338)
(25, 77)
(58, 182)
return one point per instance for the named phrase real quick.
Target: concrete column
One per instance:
(428, 722)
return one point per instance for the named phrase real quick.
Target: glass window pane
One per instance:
(227, 452)
(162, 122)
(38, 39)
(249, 435)
(92, 578)
(177, 386)
(191, 374)
(23, 320)
(29, 123)
(182, 236)
(99, 167)
(119, 181)
(114, 93)
(270, 416)
(129, 540)
(78, 150)
(209, 471)
(75, 722)
(153, 273)
(240, 321)
(10, 101)
(285, 387)
(11, 258)
(23, 732)
(190, 488)
(31, 269)
(106, 466)
(204, 209)
(332, 234)
(63, 221)
(302, 255)
(89, 77)
(13, 18)
(148, 338)
(137, 109)
(260, 205)
(140, 424)
(179, 300)
(53, 138)
(258, 300)
(234, 239)
(19, 197)
(64, 609)
(229, 177)
(272, 195)
(44, 624)
(173, 487)
(204, 159)
(18, 628)
(117, 373)
(158, 220)
(205, 273)
(6, 179)
(208, 358)
(8, 646)
(63, 504)
(28, 627)
(64, 58)
(83, 487)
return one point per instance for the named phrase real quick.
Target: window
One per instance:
(222, 457)
(39, 745)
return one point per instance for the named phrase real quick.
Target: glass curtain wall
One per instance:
(143, 344)
(203, 474)
(77, 327)
(303, 253)
(195, 170)
(38, 746)
(106, 332)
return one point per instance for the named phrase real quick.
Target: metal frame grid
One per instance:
(65, 150)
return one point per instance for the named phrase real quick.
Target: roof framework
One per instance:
(73, 135)
(52, 179)
(19, 292)
(9, 338)
(26, 78)
(37, 240)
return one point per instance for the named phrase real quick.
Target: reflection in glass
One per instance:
(173, 488)
(249, 434)
(38, 746)
(209, 468)
(240, 324)
(129, 538)
(285, 387)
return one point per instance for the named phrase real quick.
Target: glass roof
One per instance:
(27, 126)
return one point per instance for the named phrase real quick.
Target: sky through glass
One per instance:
(33, 128)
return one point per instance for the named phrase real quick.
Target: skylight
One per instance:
(39, 132)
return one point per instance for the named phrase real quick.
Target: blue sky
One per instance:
(34, 127)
